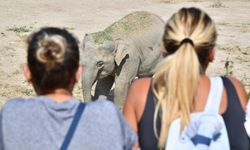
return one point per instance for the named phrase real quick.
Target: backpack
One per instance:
(207, 130)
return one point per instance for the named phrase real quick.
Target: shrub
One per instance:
(217, 4)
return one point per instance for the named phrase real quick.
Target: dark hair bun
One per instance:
(51, 50)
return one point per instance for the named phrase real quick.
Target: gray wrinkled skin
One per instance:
(128, 48)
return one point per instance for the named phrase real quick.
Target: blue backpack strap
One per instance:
(215, 94)
(73, 126)
(200, 139)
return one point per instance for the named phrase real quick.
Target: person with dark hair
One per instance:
(180, 87)
(54, 119)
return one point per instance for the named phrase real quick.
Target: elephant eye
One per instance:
(99, 64)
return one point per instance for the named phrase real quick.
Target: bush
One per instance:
(217, 4)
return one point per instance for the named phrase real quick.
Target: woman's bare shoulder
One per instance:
(141, 83)
(240, 89)
(138, 90)
(136, 99)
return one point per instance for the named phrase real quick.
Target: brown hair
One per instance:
(53, 59)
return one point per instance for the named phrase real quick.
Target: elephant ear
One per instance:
(108, 46)
(121, 51)
(86, 40)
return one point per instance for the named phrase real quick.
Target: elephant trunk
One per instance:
(88, 80)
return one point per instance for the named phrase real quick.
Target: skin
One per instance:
(135, 52)
(132, 64)
(137, 96)
(60, 94)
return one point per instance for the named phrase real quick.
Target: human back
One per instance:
(180, 86)
(43, 121)
(206, 130)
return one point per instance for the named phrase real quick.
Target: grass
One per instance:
(174, 1)
(217, 4)
(17, 72)
(3, 34)
(69, 28)
(27, 92)
(229, 67)
(21, 29)
(167, 1)
(129, 24)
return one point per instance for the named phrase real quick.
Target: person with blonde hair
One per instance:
(54, 119)
(180, 86)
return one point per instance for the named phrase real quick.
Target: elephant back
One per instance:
(131, 26)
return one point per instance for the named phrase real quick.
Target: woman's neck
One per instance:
(60, 95)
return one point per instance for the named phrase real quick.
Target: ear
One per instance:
(108, 46)
(211, 55)
(26, 72)
(78, 73)
(164, 53)
(84, 40)
(121, 52)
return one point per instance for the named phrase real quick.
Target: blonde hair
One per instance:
(51, 50)
(189, 36)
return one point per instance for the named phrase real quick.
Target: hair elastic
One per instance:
(187, 40)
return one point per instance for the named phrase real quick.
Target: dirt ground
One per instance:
(19, 18)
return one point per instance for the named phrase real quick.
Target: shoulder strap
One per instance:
(215, 94)
(73, 126)
(232, 95)
(234, 117)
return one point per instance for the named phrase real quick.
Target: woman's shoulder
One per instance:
(101, 103)
(240, 89)
(102, 106)
(136, 100)
(102, 115)
(103, 111)
(139, 90)
(18, 106)
(15, 103)
(22, 102)
(142, 82)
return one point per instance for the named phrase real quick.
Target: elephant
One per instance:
(129, 48)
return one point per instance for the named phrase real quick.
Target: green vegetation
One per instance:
(27, 92)
(100, 37)
(167, 1)
(17, 72)
(217, 4)
(229, 67)
(21, 29)
(248, 94)
(131, 23)
(3, 34)
(69, 28)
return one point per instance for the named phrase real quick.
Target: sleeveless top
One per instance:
(234, 118)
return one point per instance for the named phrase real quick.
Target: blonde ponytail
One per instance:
(176, 80)
(170, 87)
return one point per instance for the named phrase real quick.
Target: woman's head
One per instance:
(191, 27)
(53, 60)
(189, 40)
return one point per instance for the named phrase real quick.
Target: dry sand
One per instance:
(21, 17)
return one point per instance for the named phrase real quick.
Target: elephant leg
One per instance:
(103, 87)
(123, 81)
